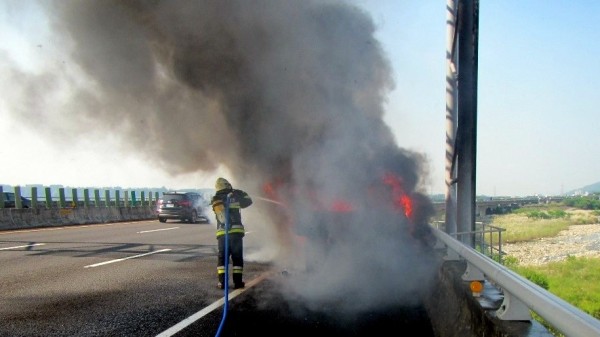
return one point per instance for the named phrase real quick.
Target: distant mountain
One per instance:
(593, 188)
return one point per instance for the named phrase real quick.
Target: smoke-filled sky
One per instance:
(538, 79)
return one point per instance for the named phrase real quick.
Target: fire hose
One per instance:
(226, 278)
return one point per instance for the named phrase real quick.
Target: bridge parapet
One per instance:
(501, 205)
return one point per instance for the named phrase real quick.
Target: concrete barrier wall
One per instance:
(12, 218)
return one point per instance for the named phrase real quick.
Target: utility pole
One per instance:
(468, 30)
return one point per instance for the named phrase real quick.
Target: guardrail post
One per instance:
(118, 198)
(86, 198)
(34, 199)
(62, 201)
(142, 199)
(18, 201)
(107, 198)
(1, 196)
(74, 199)
(513, 309)
(126, 198)
(48, 194)
(97, 197)
(133, 199)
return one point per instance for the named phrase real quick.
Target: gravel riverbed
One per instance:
(578, 240)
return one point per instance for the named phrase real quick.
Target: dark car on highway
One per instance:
(184, 206)
(10, 201)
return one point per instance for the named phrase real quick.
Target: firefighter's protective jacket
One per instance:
(238, 199)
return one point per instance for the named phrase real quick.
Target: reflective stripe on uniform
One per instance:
(238, 229)
(235, 270)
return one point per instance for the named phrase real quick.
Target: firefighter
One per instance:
(238, 199)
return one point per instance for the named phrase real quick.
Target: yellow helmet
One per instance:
(222, 184)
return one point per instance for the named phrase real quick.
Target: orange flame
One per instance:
(401, 199)
(407, 204)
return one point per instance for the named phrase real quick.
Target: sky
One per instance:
(537, 124)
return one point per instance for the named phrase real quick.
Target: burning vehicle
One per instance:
(322, 222)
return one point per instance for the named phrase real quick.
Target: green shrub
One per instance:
(549, 214)
(535, 277)
(537, 215)
(583, 202)
(557, 214)
(510, 262)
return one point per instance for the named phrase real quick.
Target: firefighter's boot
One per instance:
(237, 281)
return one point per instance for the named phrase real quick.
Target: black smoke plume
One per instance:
(288, 95)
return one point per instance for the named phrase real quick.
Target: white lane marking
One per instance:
(15, 247)
(125, 258)
(183, 324)
(157, 230)
(65, 227)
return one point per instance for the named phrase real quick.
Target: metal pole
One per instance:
(467, 121)
(451, 117)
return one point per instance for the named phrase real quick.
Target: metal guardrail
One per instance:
(486, 239)
(520, 294)
(82, 197)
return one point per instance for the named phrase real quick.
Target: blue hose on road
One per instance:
(226, 282)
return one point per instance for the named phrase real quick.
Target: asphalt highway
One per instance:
(148, 278)
(261, 310)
